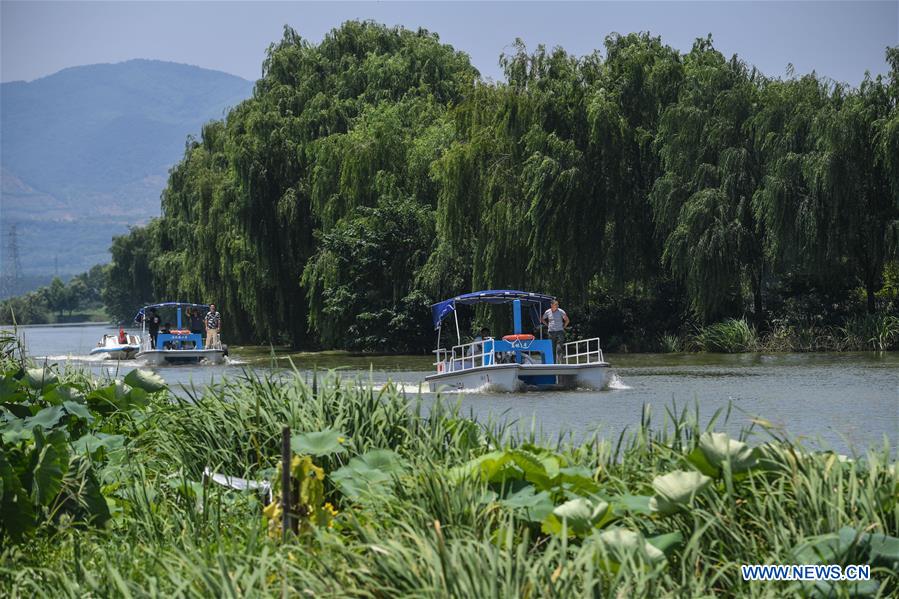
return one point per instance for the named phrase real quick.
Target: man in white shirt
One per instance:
(213, 321)
(556, 321)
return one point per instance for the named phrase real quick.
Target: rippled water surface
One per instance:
(846, 401)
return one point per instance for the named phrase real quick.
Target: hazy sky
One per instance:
(837, 39)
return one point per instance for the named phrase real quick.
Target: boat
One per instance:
(515, 362)
(179, 345)
(118, 347)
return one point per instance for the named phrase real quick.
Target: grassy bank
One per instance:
(869, 332)
(104, 495)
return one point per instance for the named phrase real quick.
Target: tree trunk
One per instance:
(757, 304)
(871, 289)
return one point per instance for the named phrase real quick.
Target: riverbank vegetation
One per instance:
(104, 494)
(78, 300)
(653, 191)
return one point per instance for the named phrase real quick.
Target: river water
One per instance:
(844, 401)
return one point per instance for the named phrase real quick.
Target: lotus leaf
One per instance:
(578, 480)
(38, 378)
(666, 542)
(623, 544)
(14, 431)
(369, 474)
(90, 443)
(634, 504)
(493, 467)
(109, 398)
(580, 515)
(719, 449)
(676, 490)
(536, 469)
(62, 394)
(51, 465)
(10, 390)
(16, 510)
(77, 409)
(46, 418)
(85, 500)
(537, 506)
(147, 380)
(849, 545)
(320, 443)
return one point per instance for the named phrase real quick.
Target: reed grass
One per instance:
(867, 332)
(433, 535)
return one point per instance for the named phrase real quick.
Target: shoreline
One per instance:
(85, 323)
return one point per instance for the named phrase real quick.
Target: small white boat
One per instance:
(178, 345)
(517, 362)
(118, 347)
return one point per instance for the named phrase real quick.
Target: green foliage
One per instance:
(130, 283)
(54, 446)
(730, 336)
(412, 502)
(374, 173)
(319, 443)
(83, 291)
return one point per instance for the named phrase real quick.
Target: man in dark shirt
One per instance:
(153, 322)
(213, 322)
(196, 321)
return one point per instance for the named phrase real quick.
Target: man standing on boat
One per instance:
(556, 320)
(153, 322)
(213, 322)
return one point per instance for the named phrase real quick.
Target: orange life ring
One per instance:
(518, 337)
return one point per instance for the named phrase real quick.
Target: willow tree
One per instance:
(703, 202)
(517, 193)
(640, 78)
(202, 252)
(131, 281)
(245, 207)
(372, 192)
(852, 183)
(887, 150)
(784, 130)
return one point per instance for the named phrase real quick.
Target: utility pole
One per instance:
(12, 266)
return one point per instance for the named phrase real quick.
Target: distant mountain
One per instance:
(85, 152)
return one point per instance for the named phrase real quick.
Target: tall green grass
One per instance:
(430, 532)
(729, 336)
(867, 332)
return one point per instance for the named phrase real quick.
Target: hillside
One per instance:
(86, 152)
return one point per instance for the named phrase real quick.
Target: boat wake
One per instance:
(616, 383)
(95, 359)
(402, 387)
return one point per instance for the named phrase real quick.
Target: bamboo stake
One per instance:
(285, 482)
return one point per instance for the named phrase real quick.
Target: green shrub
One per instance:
(729, 336)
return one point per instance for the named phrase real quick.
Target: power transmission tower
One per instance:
(12, 266)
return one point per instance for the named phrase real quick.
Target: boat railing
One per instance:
(465, 356)
(583, 351)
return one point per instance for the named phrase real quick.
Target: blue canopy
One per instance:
(441, 310)
(140, 313)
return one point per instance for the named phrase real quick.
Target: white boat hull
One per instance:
(162, 357)
(520, 377)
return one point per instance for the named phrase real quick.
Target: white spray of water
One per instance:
(616, 383)
(97, 358)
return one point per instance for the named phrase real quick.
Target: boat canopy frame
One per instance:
(143, 311)
(140, 317)
(536, 302)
